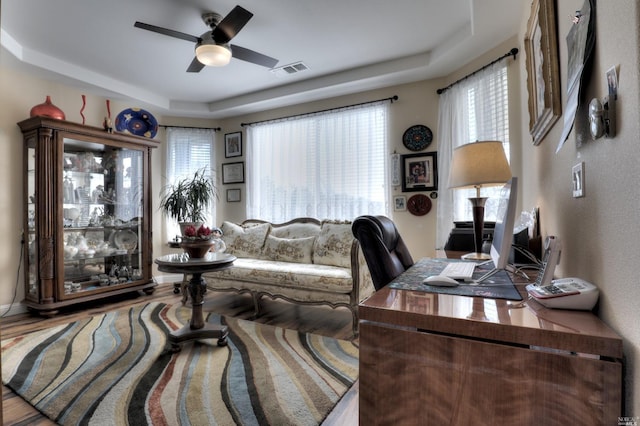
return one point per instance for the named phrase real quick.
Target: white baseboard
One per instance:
(15, 309)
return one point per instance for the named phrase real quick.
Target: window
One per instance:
(188, 150)
(471, 110)
(327, 165)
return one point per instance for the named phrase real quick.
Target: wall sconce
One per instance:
(602, 117)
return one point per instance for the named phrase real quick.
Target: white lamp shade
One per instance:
(479, 164)
(212, 54)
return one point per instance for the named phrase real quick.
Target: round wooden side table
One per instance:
(197, 328)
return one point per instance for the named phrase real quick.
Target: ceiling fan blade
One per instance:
(231, 24)
(252, 56)
(168, 32)
(196, 66)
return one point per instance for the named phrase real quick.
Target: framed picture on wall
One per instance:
(233, 145)
(233, 172)
(419, 172)
(543, 72)
(233, 195)
(400, 203)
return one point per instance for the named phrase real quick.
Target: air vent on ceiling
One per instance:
(294, 68)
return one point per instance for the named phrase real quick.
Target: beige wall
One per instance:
(599, 232)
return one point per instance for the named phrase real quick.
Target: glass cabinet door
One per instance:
(30, 236)
(102, 216)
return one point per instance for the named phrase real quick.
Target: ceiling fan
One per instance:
(213, 48)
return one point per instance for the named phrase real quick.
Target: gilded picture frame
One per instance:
(543, 73)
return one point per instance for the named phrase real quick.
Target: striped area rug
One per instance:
(115, 369)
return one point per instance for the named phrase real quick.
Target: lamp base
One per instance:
(477, 204)
(475, 256)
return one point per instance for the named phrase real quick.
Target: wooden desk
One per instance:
(437, 359)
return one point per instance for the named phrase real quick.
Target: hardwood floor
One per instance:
(312, 319)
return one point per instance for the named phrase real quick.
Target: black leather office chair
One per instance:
(384, 250)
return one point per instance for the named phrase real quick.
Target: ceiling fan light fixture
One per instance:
(211, 54)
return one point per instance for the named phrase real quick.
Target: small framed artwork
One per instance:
(233, 172)
(400, 203)
(233, 195)
(233, 145)
(419, 172)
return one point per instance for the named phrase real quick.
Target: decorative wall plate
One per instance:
(137, 122)
(417, 138)
(419, 205)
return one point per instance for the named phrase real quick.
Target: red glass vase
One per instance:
(47, 109)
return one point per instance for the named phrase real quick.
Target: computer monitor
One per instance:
(503, 231)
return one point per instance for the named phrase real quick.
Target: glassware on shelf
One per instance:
(31, 219)
(71, 216)
(97, 194)
(126, 239)
(68, 191)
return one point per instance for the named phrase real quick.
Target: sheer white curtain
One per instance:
(474, 109)
(329, 165)
(187, 151)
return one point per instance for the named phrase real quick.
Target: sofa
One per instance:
(304, 261)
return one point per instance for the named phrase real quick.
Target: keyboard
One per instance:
(459, 270)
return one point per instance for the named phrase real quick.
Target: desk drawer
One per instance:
(411, 377)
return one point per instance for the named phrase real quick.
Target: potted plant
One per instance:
(187, 200)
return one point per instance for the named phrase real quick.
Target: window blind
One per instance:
(329, 165)
(187, 151)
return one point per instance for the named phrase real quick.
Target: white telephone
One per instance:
(564, 293)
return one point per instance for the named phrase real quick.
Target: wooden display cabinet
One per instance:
(87, 214)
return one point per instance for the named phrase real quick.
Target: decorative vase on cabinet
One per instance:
(87, 213)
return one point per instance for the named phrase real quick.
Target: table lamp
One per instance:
(476, 165)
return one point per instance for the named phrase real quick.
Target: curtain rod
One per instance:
(513, 52)
(216, 129)
(391, 99)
